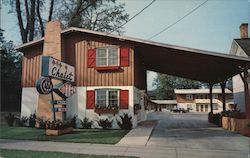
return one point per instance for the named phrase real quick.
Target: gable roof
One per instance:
(196, 64)
(244, 43)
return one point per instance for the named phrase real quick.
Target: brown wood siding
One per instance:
(181, 98)
(31, 66)
(76, 47)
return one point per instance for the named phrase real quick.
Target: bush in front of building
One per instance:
(32, 120)
(73, 121)
(41, 123)
(105, 123)
(215, 118)
(22, 121)
(86, 123)
(10, 119)
(58, 124)
(126, 121)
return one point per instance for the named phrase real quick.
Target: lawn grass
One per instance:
(98, 136)
(8, 153)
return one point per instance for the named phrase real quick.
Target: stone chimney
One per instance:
(52, 47)
(52, 39)
(244, 30)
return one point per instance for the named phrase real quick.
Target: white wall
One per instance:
(77, 105)
(29, 101)
(238, 86)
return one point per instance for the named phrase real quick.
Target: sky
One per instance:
(211, 27)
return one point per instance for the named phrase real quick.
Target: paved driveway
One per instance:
(191, 135)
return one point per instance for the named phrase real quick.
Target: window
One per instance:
(215, 96)
(107, 56)
(189, 97)
(215, 107)
(106, 99)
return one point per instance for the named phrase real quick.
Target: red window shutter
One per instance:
(90, 100)
(124, 99)
(91, 58)
(124, 56)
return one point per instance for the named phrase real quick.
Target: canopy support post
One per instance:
(211, 96)
(244, 78)
(223, 86)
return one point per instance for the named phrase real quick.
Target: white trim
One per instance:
(200, 91)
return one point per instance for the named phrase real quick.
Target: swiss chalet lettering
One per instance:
(64, 74)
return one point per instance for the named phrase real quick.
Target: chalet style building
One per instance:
(197, 100)
(241, 47)
(110, 71)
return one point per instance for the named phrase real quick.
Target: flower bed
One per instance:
(54, 132)
(231, 120)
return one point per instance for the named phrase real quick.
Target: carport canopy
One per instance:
(200, 65)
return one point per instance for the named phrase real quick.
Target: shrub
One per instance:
(105, 123)
(41, 123)
(21, 122)
(32, 120)
(126, 121)
(73, 121)
(215, 118)
(10, 119)
(234, 114)
(58, 124)
(86, 123)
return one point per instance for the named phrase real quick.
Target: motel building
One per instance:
(197, 100)
(110, 72)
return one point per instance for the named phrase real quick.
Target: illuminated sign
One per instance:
(64, 90)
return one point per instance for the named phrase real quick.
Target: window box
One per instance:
(106, 111)
(101, 68)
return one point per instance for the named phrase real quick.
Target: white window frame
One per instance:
(107, 97)
(189, 96)
(107, 54)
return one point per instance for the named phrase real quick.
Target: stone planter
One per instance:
(52, 132)
(226, 122)
(235, 124)
(245, 127)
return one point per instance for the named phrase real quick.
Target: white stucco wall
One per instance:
(29, 101)
(77, 105)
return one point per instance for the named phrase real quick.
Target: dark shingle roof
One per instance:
(244, 43)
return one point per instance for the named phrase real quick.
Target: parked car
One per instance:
(179, 110)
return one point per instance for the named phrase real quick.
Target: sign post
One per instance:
(53, 68)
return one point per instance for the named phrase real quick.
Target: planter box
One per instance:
(226, 123)
(245, 127)
(51, 132)
(106, 111)
(235, 124)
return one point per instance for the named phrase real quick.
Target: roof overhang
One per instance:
(196, 64)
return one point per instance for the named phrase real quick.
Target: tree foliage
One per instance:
(10, 75)
(165, 85)
(98, 15)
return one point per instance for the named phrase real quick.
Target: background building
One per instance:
(197, 100)
(241, 47)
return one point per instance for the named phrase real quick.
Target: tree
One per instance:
(165, 85)
(97, 15)
(10, 75)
